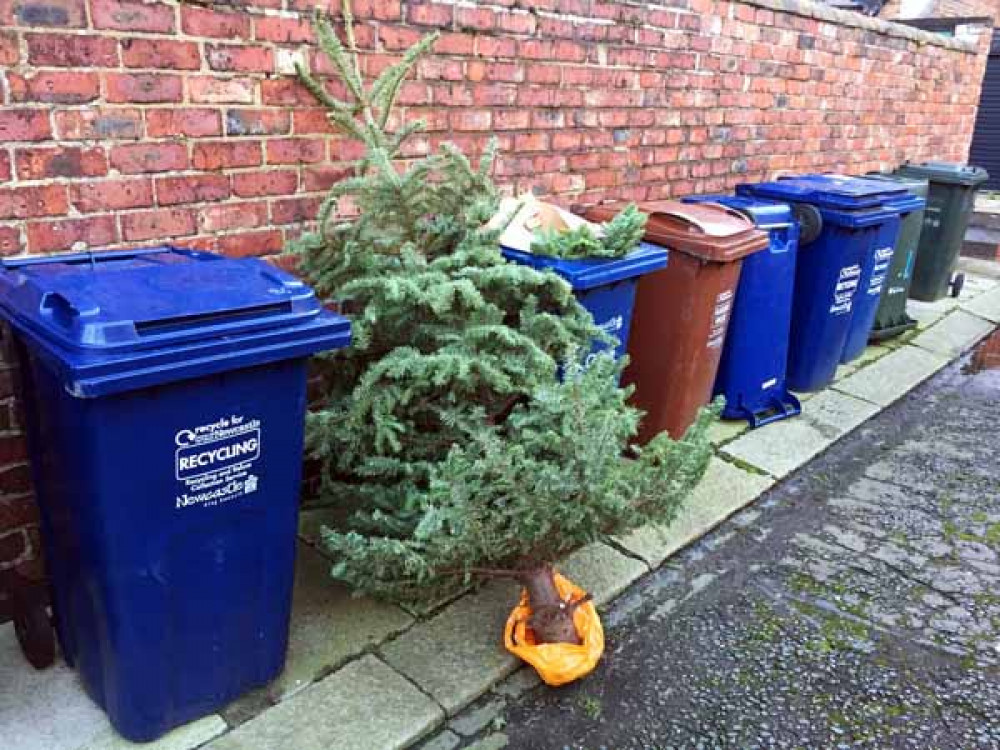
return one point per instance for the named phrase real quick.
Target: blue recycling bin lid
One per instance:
(764, 213)
(115, 321)
(828, 191)
(586, 274)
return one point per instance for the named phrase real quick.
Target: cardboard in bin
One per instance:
(606, 287)
(526, 216)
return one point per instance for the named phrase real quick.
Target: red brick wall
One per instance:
(128, 123)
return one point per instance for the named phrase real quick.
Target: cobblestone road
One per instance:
(856, 605)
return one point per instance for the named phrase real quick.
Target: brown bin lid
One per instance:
(709, 231)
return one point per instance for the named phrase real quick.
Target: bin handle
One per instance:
(61, 309)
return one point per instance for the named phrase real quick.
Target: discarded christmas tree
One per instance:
(459, 432)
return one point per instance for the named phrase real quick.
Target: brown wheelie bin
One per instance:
(681, 313)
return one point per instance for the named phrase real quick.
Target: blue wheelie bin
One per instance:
(754, 359)
(839, 225)
(164, 393)
(875, 268)
(604, 286)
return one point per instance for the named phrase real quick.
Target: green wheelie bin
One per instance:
(891, 318)
(950, 201)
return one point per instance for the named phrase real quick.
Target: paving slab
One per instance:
(45, 710)
(886, 380)
(189, 736)
(985, 305)
(328, 627)
(312, 520)
(782, 447)
(602, 571)
(361, 706)
(975, 285)
(725, 430)
(988, 269)
(954, 334)
(446, 740)
(458, 654)
(871, 353)
(928, 313)
(723, 490)
(49, 710)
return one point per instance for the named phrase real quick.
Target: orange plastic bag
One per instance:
(557, 663)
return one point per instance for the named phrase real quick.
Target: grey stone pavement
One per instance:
(855, 605)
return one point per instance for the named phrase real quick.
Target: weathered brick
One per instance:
(226, 154)
(54, 87)
(143, 88)
(470, 120)
(295, 210)
(160, 53)
(323, 177)
(10, 241)
(160, 224)
(229, 216)
(171, 191)
(10, 51)
(68, 14)
(65, 234)
(523, 22)
(24, 125)
(17, 508)
(65, 51)
(149, 157)
(282, 30)
(240, 58)
(268, 182)
(46, 162)
(285, 92)
(30, 202)
(161, 123)
(13, 545)
(295, 151)
(94, 196)
(397, 38)
(311, 122)
(265, 242)
(257, 122)
(215, 23)
(132, 16)
(213, 90)
(475, 18)
(96, 124)
(430, 14)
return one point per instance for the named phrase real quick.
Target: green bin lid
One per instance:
(949, 172)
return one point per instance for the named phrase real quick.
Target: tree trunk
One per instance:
(551, 617)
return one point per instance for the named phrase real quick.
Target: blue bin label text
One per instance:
(843, 293)
(214, 463)
(883, 257)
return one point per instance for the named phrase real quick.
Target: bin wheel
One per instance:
(810, 222)
(36, 636)
(957, 284)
